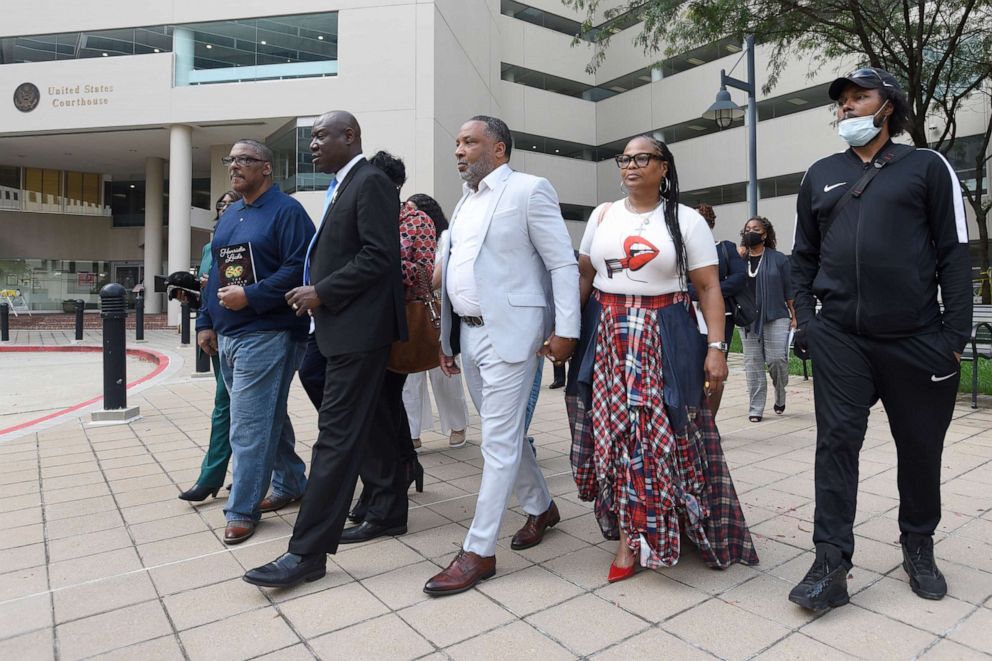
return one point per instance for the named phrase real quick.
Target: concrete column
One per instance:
(154, 178)
(180, 202)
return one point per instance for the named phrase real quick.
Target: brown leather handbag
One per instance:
(420, 352)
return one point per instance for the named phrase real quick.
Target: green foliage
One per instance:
(984, 377)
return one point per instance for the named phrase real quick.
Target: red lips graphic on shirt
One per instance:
(638, 253)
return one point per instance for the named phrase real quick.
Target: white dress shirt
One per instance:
(466, 239)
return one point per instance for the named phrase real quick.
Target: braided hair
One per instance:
(670, 193)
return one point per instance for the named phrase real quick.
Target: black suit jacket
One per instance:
(355, 266)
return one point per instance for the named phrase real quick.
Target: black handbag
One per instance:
(743, 307)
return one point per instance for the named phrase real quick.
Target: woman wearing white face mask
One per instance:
(766, 340)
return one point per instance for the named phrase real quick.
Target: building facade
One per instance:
(114, 117)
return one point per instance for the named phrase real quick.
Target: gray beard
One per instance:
(476, 172)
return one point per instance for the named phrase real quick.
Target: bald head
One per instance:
(341, 119)
(336, 138)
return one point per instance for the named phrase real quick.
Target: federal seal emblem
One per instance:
(26, 97)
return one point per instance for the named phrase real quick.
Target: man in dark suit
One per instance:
(356, 299)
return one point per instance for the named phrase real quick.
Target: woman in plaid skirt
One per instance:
(645, 447)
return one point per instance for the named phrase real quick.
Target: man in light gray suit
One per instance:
(509, 296)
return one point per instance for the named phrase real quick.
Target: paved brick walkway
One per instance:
(98, 558)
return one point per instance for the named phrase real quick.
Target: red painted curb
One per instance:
(160, 359)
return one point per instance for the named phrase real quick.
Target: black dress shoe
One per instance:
(361, 508)
(288, 570)
(198, 493)
(365, 531)
(556, 384)
(825, 584)
(358, 512)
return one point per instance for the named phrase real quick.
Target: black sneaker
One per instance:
(825, 584)
(918, 561)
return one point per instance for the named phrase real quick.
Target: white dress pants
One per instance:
(449, 396)
(500, 391)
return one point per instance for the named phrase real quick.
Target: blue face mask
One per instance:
(859, 131)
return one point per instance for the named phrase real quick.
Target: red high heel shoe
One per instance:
(620, 573)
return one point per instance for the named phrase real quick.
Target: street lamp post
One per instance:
(724, 111)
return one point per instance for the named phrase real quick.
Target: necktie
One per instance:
(328, 198)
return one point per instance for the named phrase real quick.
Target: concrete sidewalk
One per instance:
(98, 558)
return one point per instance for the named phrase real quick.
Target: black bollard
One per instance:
(184, 324)
(113, 309)
(4, 322)
(79, 319)
(139, 318)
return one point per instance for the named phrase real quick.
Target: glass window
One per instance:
(53, 284)
(82, 193)
(10, 187)
(223, 51)
(257, 49)
(42, 190)
(284, 163)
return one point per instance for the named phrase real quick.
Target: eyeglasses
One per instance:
(241, 161)
(222, 205)
(642, 159)
(868, 72)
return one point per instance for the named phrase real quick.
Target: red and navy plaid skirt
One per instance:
(644, 477)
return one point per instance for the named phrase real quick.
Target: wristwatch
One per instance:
(720, 346)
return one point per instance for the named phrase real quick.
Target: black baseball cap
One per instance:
(868, 78)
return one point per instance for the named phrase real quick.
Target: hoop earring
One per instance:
(623, 189)
(665, 186)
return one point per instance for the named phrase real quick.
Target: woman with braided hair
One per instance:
(645, 447)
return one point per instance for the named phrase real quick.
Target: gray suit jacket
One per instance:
(526, 274)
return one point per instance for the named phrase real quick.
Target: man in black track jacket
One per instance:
(874, 257)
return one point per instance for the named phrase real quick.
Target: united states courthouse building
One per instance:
(114, 116)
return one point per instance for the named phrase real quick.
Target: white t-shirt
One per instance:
(634, 257)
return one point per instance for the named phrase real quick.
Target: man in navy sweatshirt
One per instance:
(260, 340)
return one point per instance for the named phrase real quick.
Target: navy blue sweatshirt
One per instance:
(279, 231)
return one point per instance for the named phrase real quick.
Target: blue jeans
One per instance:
(535, 392)
(257, 369)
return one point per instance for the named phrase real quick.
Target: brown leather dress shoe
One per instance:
(273, 503)
(462, 574)
(238, 531)
(533, 531)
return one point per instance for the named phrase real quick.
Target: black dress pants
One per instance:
(313, 369)
(384, 472)
(916, 379)
(352, 387)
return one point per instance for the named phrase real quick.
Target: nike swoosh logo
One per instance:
(827, 189)
(935, 378)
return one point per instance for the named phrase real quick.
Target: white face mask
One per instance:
(859, 131)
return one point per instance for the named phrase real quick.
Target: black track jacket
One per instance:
(877, 269)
